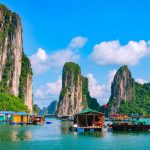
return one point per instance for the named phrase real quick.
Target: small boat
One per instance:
(124, 123)
(38, 120)
(48, 122)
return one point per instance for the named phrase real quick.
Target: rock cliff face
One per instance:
(28, 92)
(73, 96)
(122, 89)
(70, 100)
(11, 57)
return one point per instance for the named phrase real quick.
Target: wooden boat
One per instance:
(125, 123)
(38, 120)
(127, 127)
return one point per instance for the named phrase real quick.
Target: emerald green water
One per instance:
(57, 136)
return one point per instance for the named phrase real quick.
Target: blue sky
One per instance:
(53, 24)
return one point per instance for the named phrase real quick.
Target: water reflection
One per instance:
(14, 133)
(55, 131)
(18, 136)
(65, 127)
(65, 130)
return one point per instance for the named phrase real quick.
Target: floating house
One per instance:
(88, 119)
(5, 115)
(122, 122)
(21, 118)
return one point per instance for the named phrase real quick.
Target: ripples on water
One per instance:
(57, 136)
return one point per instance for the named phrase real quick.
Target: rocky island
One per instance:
(128, 96)
(74, 95)
(15, 67)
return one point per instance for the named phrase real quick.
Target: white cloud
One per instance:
(77, 42)
(45, 94)
(42, 62)
(38, 61)
(58, 58)
(96, 90)
(50, 88)
(141, 81)
(113, 52)
(101, 91)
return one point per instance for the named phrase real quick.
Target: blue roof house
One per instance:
(5, 115)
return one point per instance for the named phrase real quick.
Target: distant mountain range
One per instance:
(51, 109)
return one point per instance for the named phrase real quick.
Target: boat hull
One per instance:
(130, 127)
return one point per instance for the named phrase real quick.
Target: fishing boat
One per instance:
(38, 120)
(121, 122)
(88, 120)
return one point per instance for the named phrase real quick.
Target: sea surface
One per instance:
(56, 136)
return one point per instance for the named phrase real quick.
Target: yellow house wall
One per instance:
(18, 118)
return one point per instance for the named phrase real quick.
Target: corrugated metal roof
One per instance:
(88, 110)
(6, 112)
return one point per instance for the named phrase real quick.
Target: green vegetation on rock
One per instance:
(25, 71)
(62, 93)
(88, 101)
(74, 91)
(7, 27)
(72, 68)
(35, 109)
(85, 91)
(128, 96)
(9, 22)
(140, 103)
(11, 103)
(10, 25)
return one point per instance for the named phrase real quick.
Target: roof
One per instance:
(88, 110)
(6, 112)
(21, 113)
(118, 116)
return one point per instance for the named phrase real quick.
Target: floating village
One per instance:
(75, 111)
(85, 120)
